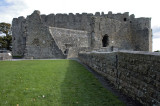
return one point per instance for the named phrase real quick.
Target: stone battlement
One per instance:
(99, 30)
(117, 16)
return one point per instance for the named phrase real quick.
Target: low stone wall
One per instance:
(5, 56)
(136, 74)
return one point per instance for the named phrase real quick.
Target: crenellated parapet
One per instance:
(121, 30)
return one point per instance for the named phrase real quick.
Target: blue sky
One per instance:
(4, 3)
(10, 9)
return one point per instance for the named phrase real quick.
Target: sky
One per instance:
(10, 9)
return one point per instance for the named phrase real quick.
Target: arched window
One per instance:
(105, 41)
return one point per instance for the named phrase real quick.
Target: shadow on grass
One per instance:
(80, 87)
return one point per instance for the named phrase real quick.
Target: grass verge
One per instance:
(51, 83)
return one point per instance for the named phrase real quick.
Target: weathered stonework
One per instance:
(19, 36)
(137, 74)
(65, 36)
(39, 42)
(62, 35)
(70, 41)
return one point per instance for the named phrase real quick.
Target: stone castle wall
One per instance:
(70, 41)
(33, 39)
(122, 31)
(137, 74)
(39, 42)
(126, 31)
(119, 35)
(70, 21)
(142, 34)
(18, 36)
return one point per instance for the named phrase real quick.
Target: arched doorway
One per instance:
(105, 41)
(66, 52)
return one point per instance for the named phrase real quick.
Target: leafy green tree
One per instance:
(5, 28)
(5, 41)
(157, 51)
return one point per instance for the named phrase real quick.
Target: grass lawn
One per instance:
(51, 83)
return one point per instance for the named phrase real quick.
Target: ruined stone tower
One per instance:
(62, 35)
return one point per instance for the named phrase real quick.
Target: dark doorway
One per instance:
(66, 52)
(105, 41)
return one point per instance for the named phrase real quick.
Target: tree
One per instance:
(5, 41)
(157, 51)
(5, 28)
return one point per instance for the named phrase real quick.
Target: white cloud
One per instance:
(156, 43)
(141, 8)
(156, 35)
(14, 9)
(156, 29)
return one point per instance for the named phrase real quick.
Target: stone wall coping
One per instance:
(125, 51)
(68, 29)
(140, 52)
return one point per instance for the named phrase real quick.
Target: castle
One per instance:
(99, 42)
(64, 36)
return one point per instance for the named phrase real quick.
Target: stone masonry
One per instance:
(94, 40)
(63, 36)
(70, 41)
(136, 74)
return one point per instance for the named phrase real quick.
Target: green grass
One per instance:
(51, 83)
